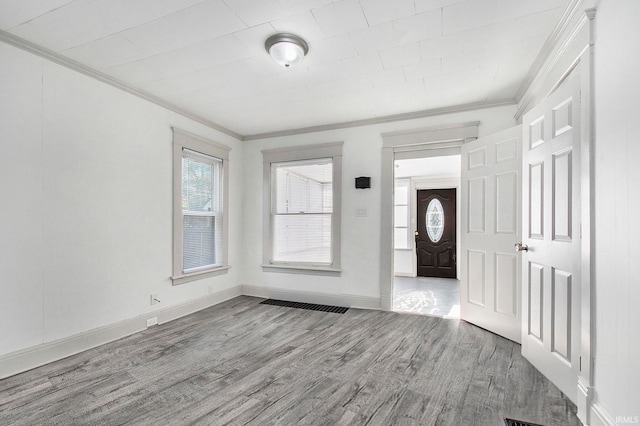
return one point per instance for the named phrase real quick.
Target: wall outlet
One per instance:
(152, 321)
(154, 299)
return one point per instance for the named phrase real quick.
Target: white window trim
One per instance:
(185, 140)
(307, 152)
(406, 204)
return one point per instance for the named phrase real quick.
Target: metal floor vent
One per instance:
(511, 422)
(309, 306)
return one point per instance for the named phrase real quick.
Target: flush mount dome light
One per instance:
(287, 50)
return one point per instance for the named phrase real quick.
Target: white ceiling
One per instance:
(367, 58)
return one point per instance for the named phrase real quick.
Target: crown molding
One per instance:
(384, 119)
(59, 59)
(547, 48)
(558, 45)
(62, 60)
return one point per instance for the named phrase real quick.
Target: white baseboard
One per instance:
(196, 305)
(599, 417)
(584, 398)
(348, 300)
(36, 356)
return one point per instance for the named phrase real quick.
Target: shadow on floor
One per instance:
(427, 296)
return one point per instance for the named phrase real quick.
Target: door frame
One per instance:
(433, 141)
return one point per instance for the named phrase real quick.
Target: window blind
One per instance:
(201, 210)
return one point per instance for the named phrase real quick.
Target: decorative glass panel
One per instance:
(435, 220)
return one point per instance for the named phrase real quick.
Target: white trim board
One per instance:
(425, 142)
(36, 356)
(347, 300)
(558, 57)
(599, 417)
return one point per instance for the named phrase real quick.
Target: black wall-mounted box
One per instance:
(363, 182)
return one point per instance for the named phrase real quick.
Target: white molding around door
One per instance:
(427, 142)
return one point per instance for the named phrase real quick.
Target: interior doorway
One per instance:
(425, 265)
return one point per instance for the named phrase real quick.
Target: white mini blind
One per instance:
(302, 210)
(201, 211)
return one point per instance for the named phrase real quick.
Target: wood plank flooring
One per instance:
(241, 362)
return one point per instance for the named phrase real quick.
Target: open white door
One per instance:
(551, 230)
(490, 270)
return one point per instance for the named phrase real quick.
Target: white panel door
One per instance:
(551, 232)
(490, 274)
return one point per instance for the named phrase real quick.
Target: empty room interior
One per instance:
(340, 212)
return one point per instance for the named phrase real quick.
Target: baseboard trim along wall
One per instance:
(599, 417)
(349, 300)
(36, 356)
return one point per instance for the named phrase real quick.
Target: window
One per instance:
(302, 203)
(401, 214)
(200, 225)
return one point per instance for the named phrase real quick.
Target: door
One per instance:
(436, 233)
(490, 271)
(551, 231)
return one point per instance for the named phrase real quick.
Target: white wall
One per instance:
(360, 279)
(617, 305)
(86, 212)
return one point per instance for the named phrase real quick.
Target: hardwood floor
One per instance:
(241, 362)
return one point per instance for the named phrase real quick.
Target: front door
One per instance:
(490, 270)
(551, 253)
(436, 233)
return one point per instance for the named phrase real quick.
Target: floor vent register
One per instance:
(308, 306)
(512, 422)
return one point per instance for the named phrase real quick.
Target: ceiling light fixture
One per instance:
(286, 49)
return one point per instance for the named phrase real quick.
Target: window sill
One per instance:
(185, 278)
(307, 270)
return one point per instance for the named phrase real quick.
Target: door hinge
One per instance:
(580, 369)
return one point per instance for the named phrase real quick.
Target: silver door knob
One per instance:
(521, 247)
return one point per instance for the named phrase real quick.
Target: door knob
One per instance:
(521, 247)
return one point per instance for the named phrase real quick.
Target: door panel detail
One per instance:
(476, 283)
(477, 158)
(536, 300)
(536, 133)
(561, 311)
(507, 203)
(536, 201)
(426, 258)
(562, 121)
(506, 267)
(476, 203)
(562, 196)
(507, 150)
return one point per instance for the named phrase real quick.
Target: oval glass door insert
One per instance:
(435, 220)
